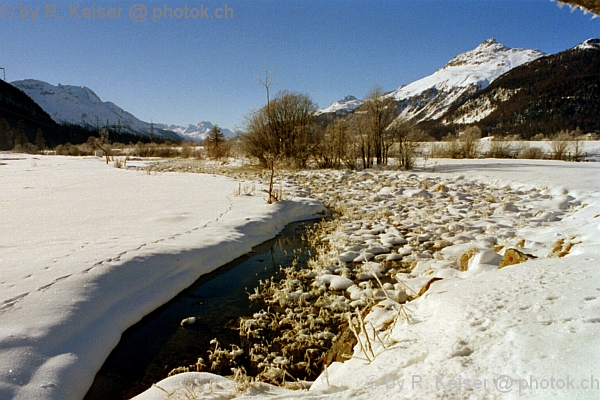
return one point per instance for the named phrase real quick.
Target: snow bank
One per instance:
(87, 250)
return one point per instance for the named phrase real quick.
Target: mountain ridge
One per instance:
(198, 132)
(430, 97)
(556, 92)
(80, 105)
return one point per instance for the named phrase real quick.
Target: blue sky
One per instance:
(185, 70)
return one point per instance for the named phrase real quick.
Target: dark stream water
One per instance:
(149, 350)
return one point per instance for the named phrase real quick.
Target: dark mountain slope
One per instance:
(552, 93)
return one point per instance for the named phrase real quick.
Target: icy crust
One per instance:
(495, 330)
(87, 250)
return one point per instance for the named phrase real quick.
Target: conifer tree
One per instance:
(214, 142)
(6, 141)
(40, 142)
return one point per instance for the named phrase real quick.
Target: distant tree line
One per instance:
(29, 136)
(287, 130)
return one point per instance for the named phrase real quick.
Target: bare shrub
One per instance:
(500, 148)
(155, 150)
(186, 151)
(577, 154)
(524, 151)
(409, 142)
(450, 148)
(560, 147)
(26, 148)
(466, 145)
(223, 150)
(69, 149)
(469, 142)
(437, 150)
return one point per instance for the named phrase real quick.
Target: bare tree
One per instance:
(267, 84)
(103, 143)
(284, 128)
(578, 154)
(408, 141)
(336, 147)
(371, 124)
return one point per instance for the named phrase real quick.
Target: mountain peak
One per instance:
(197, 132)
(590, 44)
(341, 107)
(490, 43)
(484, 53)
(431, 96)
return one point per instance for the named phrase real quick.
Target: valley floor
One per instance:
(87, 250)
(526, 330)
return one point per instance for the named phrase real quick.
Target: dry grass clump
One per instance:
(426, 287)
(513, 256)
(562, 247)
(463, 261)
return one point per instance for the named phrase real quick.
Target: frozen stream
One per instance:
(149, 350)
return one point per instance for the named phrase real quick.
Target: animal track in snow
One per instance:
(54, 282)
(9, 303)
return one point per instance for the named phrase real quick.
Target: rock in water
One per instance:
(188, 321)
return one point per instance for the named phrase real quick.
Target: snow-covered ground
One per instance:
(87, 250)
(526, 330)
(589, 149)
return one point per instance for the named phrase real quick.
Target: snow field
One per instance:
(87, 250)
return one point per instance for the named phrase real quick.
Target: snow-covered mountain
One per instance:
(430, 97)
(590, 44)
(558, 91)
(341, 107)
(79, 105)
(197, 132)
